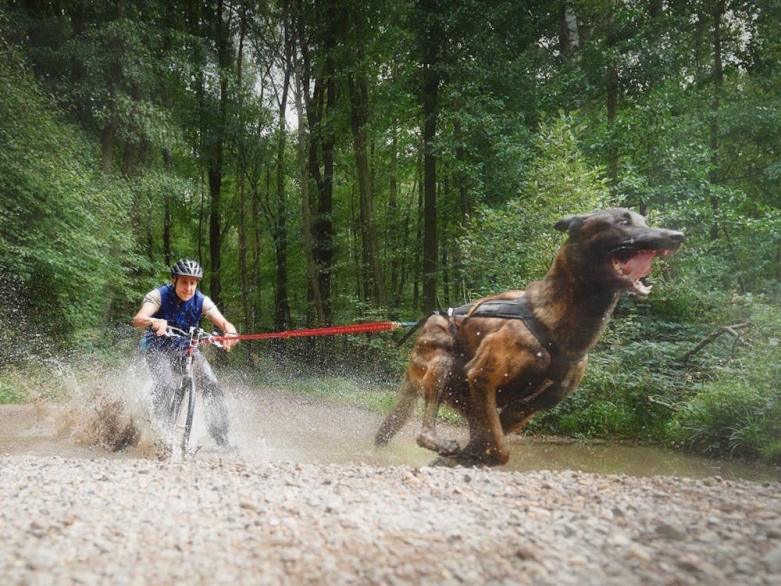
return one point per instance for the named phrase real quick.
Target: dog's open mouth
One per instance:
(631, 265)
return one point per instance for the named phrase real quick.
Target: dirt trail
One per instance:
(308, 500)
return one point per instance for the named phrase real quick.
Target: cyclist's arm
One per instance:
(216, 317)
(144, 319)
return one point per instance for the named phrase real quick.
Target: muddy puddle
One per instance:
(270, 426)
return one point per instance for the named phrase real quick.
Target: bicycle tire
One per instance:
(176, 405)
(188, 424)
(186, 386)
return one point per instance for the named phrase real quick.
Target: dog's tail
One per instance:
(406, 400)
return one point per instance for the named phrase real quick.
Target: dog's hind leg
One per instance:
(429, 371)
(434, 384)
(406, 399)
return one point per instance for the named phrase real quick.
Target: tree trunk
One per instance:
(358, 117)
(216, 157)
(399, 226)
(323, 225)
(418, 269)
(215, 205)
(718, 80)
(393, 227)
(243, 224)
(306, 216)
(319, 105)
(282, 302)
(302, 95)
(612, 101)
(432, 39)
(569, 39)
(257, 301)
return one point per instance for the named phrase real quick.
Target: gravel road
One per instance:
(86, 518)
(218, 521)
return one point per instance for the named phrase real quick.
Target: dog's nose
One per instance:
(677, 237)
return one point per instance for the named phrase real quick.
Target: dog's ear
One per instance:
(570, 225)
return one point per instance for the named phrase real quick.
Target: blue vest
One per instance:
(183, 315)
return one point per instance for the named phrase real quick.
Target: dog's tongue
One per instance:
(639, 265)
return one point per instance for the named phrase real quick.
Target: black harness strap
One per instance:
(415, 328)
(519, 308)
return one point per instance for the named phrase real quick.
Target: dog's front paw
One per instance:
(437, 445)
(446, 462)
(482, 456)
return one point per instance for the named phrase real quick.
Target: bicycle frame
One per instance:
(195, 337)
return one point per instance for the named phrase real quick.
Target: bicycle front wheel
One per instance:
(188, 423)
(186, 389)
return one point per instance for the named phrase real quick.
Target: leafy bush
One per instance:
(738, 412)
(10, 392)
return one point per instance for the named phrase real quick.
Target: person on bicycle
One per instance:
(181, 305)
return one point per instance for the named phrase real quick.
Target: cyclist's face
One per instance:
(185, 287)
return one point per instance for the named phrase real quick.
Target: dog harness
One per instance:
(519, 308)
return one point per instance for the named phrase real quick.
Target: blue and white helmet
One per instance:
(187, 268)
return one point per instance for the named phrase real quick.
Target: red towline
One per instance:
(382, 326)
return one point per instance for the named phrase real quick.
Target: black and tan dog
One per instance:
(504, 358)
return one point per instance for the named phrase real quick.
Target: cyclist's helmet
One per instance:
(187, 268)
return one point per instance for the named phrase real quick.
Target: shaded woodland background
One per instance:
(334, 161)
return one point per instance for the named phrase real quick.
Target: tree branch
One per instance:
(731, 329)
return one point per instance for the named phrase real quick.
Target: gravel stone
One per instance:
(212, 520)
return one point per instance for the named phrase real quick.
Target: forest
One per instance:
(336, 162)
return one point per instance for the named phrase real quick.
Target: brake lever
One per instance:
(212, 339)
(171, 332)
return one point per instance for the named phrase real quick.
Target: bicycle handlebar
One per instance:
(197, 336)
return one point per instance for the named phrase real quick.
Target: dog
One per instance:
(504, 358)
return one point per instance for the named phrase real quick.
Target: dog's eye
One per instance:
(625, 222)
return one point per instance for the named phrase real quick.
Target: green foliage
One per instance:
(47, 379)
(506, 247)
(10, 392)
(724, 401)
(738, 410)
(729, 417)
(62, 229)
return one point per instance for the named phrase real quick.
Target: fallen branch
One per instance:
(710, 338)
(664, 403)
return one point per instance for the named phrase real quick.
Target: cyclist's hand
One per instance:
(158, 326)
(227, 343)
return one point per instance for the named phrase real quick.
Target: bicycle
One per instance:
(195, 337)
